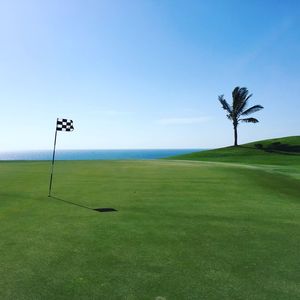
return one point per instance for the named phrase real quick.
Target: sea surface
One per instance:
(94, 154)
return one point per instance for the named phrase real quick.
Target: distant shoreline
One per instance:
(112, 154)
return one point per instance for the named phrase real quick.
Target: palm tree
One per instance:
(238, 109)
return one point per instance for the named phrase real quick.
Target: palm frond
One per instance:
(252, 110)
(243, 106)
(249, 120)
(248, 97)
(225, 104)
(236, 99)
(244, 93)
(239, 99)
(236, 92)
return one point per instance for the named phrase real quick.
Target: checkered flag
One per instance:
(64, 125)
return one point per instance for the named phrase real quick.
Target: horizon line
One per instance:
(103, 149)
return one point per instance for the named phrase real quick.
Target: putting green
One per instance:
(182, 230)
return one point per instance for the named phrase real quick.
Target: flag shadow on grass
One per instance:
(103, 209)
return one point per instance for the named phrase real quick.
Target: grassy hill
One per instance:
(280, 151)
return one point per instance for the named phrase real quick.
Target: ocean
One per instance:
(94, 154)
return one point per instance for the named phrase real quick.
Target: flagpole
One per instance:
(53, 157)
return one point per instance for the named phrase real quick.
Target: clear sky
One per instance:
(145, 73)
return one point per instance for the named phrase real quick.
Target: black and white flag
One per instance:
(64, 125)
(61, 125)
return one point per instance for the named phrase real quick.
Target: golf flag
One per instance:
(64, 125)
(61, 125)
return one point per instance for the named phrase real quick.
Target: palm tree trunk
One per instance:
(235, 135)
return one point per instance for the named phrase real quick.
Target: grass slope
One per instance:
(183, 230)
(280, 151)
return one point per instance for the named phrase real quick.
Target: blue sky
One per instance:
(145, 73)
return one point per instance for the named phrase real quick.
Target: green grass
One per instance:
(183, 230)
(287, 153)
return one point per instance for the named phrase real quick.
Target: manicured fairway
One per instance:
(183, 230)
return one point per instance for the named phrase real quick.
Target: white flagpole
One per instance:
(53, 157)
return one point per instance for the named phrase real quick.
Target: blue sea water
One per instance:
(94, 154)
